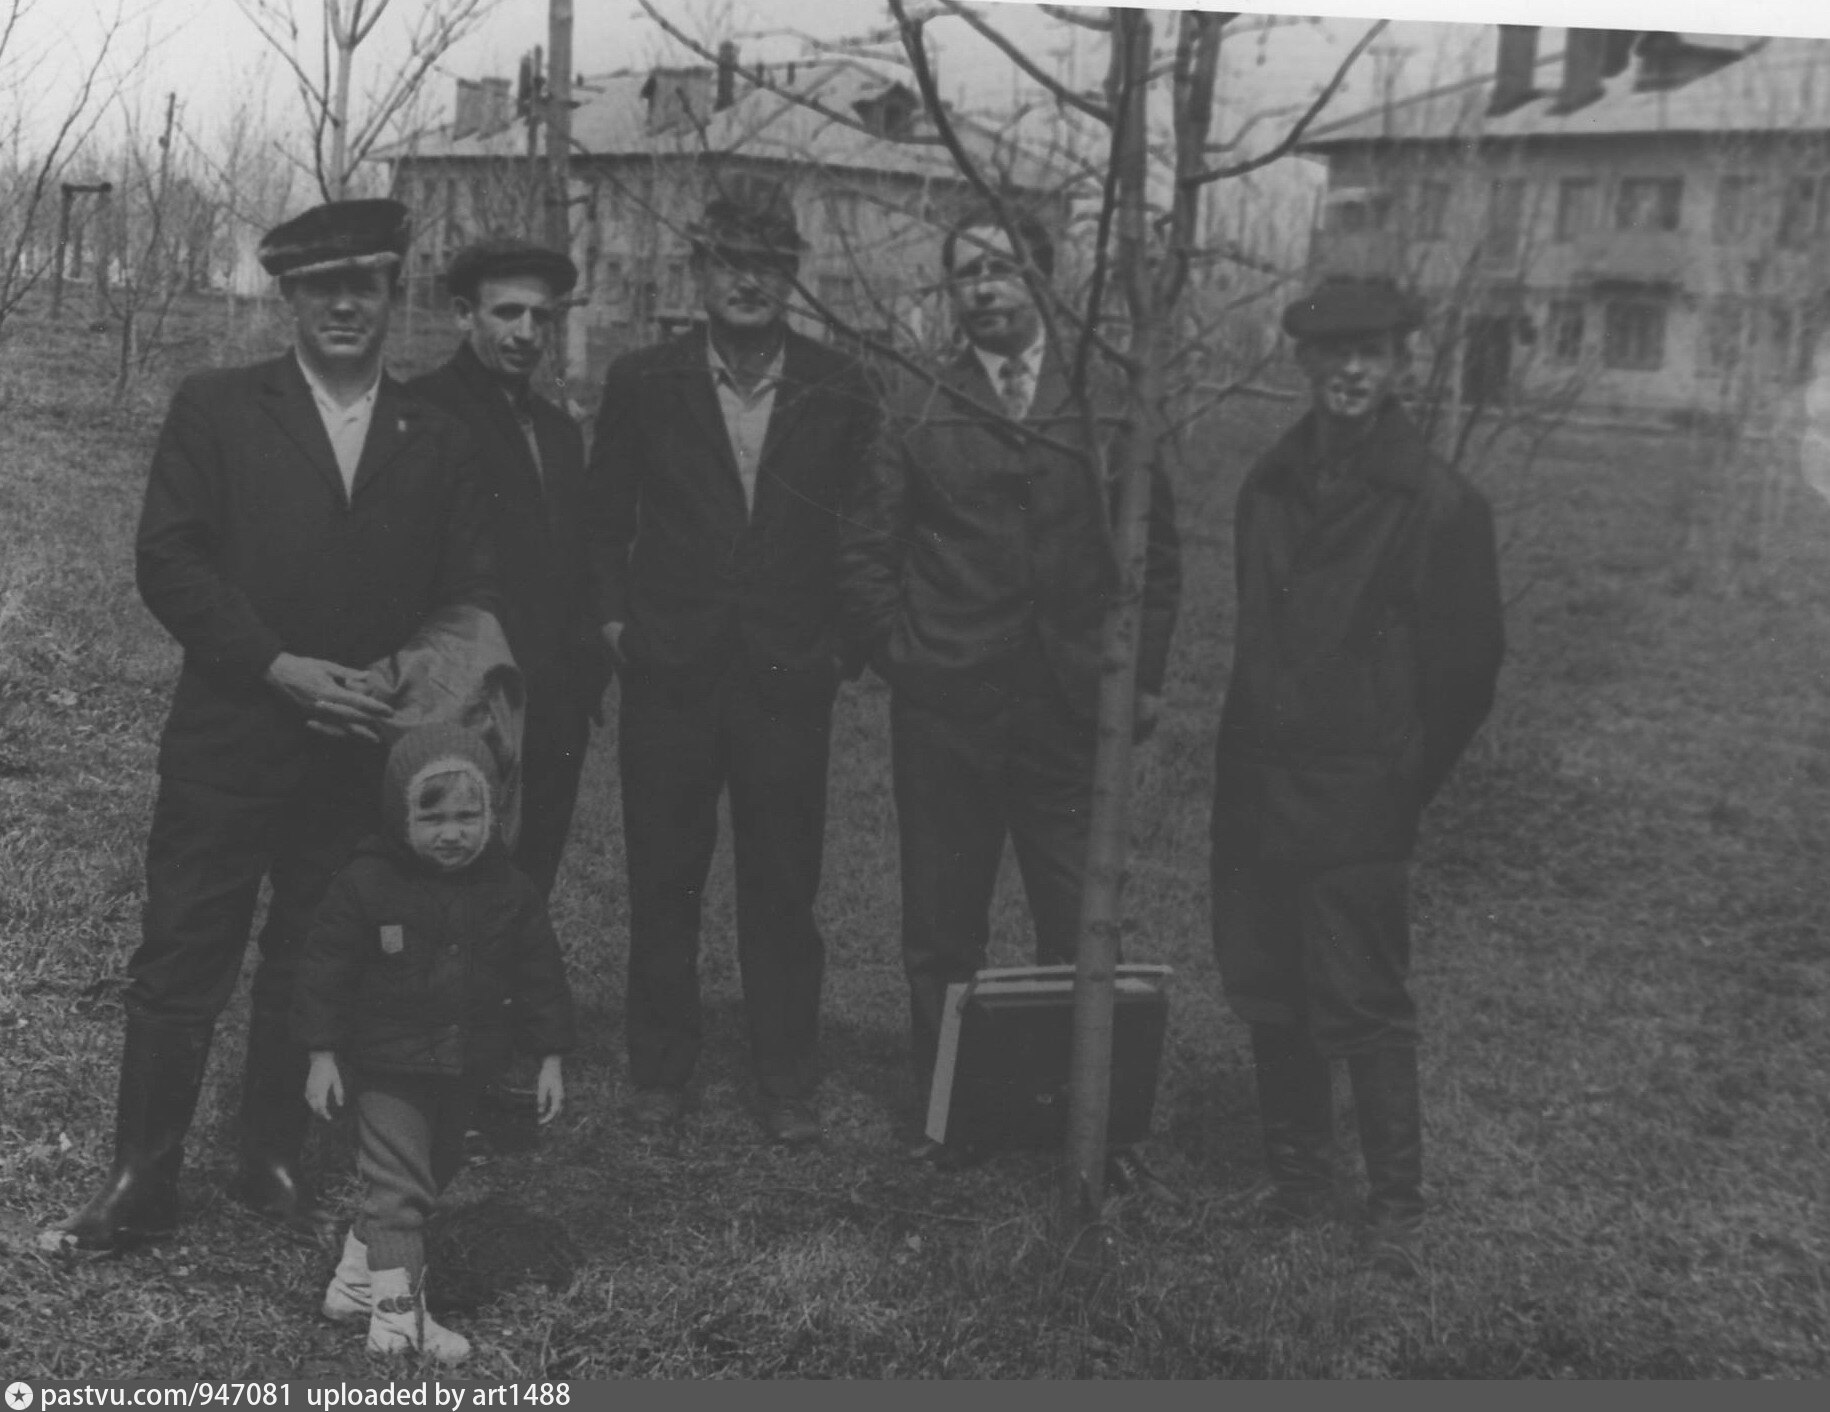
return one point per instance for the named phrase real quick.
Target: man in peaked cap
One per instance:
(303, 517)
(1366, 649)
(718, 475)
(505, 296)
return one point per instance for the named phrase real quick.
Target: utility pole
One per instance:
(558, 156)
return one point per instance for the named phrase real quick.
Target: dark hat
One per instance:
(339, 235)
(506, 255)
(752, 218)
(1344, 306)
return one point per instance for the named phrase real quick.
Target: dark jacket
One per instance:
(1368, 643)
(476, 974)
(248, 546)
(972, 543)
(696, 581)
(537, 519)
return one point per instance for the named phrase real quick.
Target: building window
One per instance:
(1575, 207)
(673, 287)
(1505, 218)
(1633, 335)
(1734, 208)
(1354, 211)
(1801, 210)
(1566, 330)
(1648, 203)
(1432, 220)
(1724, 328)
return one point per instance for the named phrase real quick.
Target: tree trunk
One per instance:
(1090, 1072)
(337, 177)
(558, 154)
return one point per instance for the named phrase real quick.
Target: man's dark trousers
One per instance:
(681, 747)
(206, 855)
(1022, 770)
(556, 733)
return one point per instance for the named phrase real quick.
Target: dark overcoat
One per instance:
(248, 546)
(407, 970)
(698, 581)
(1367, 648)
(969, 536)
(536, 516)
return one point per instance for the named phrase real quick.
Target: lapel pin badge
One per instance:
(393, 938)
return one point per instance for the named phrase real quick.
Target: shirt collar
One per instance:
(323, 396)
(721, 371)
(993, 363)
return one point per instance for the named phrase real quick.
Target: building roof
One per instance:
(612, 120)
(1776, 86)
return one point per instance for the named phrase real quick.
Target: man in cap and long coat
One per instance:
(720, 469)
(302, 518)
(1368, 642)
(506, 296)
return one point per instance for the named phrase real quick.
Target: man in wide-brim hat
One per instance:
(721, 468)
(506, 295)
(303, 517)
(1366, 650)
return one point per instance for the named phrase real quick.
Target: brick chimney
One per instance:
(1516, 69)
(467, 111)
(497, 106)
(727, 76)
(1584, 54)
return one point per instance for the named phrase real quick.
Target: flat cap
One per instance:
(752, 218)
(507, 255)
(339, 235)
(1345, 306)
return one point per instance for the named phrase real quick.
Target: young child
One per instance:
(429, 958)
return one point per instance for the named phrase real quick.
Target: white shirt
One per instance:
(347, 427)
(746, 418)
(1032, 365)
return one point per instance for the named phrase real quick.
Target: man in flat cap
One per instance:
(1366, 650)
(302, 518)
(506, 295)
(720, 467)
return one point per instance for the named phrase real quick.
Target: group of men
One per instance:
(758, 520)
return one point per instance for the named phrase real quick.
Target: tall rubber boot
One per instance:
(1390, 1115)
(274, 1120)
(1296, 1111)
(161, 1074)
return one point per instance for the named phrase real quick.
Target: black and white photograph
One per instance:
(911, 689)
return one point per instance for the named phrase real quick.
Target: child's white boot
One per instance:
(398, 1320)
(347, 1295)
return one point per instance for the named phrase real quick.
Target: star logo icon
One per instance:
(18, 1396)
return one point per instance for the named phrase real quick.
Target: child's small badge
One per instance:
(393, 939)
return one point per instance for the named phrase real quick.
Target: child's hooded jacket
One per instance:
(412, 970)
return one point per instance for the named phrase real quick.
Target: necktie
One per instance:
(1013, 387)
(523, 403)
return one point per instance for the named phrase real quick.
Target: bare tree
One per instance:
(38, 146)
(325, 79)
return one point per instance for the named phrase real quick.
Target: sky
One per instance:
(208, 53)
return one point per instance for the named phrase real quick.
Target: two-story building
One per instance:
(1640, 219)
(873, 188)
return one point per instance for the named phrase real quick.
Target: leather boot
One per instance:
(274, 1120)
(161, 1073)
(1296, 1111)
(1390, 1116)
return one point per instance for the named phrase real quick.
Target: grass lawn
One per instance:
(1622, 933)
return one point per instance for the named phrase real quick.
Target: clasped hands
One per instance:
(338, 701)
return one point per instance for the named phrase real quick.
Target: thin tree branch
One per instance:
(1079, 18)
(1295, 134)
(1062, 93)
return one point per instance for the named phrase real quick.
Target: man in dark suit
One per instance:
(505, 294)
(1368, 643)
(721, 464)
(977, 570)
(302, 518)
